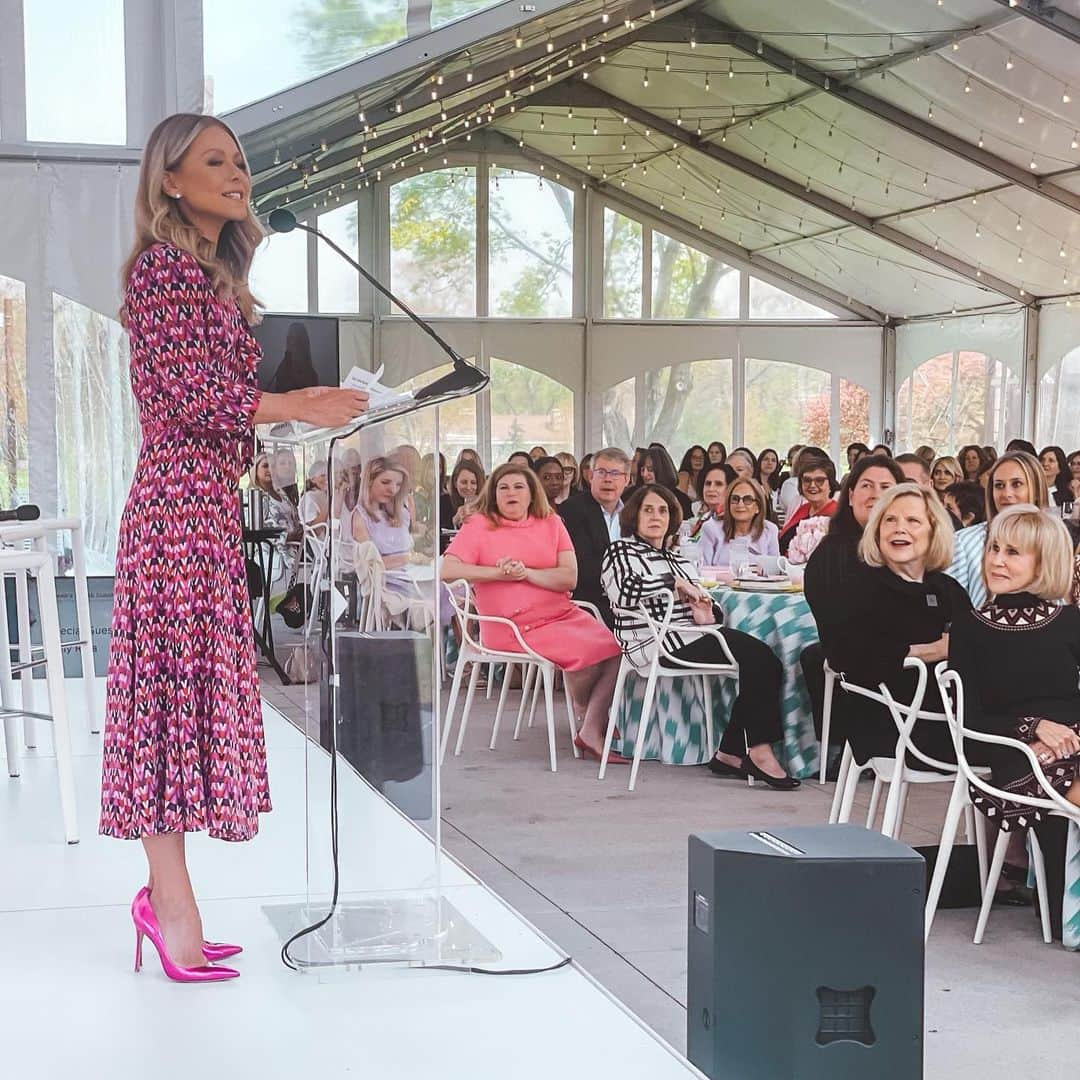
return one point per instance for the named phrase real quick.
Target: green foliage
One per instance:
(336, 32)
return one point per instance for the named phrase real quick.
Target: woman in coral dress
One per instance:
(516, 552)
(183, 745)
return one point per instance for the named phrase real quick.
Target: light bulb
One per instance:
(967, 86)
(1009, 63)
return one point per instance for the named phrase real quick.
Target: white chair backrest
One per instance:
(659, 629)
(951, 684)
(905, 715)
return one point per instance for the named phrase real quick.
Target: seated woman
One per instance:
(944, 473)
(279, 511)
(314, 506)
(745, 518)
(966, 503)
(1056, 471)
(656, 467)
(517, 554)
(465, 483)
(569, 475)
(899, 605)
(816, 478)
(712, 482)
(742, 460)
(717, 452)
(585, 474)
(642, 568)
(1012, 479)
(692, 463)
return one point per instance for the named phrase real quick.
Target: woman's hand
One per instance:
(931, 651)
(330, 406)
(693, 593)
(511, 569)
(1059, 739)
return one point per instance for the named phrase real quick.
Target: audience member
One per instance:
(656, 467)
(972, 459)
(283, 467)
(745, 519)
(569, 475)
(966, 504)
(855, 451)
(592, 520)
(1022, 445)
(642, 569)
(468, 454)
(717, 452)
(816, 480)
(519, 457)
(314, 506)
(742, 460)
(585, 473)
(380, 512)
(549, 472)
(915, 469)
(692, 463)
(536, 453)
(926, 452)
(789, 497)
(1074, 464)
(1014, 478)
(518, 556)
(713, 483)
(990, 453)
(465, 483)
(767, 471)
(945, 472)
(899, 605)
(1056, 470)
(278, 510)
(881, 448)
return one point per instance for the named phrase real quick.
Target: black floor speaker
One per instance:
(805, 955)
(385, 709)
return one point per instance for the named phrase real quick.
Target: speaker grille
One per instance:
(844, 1015)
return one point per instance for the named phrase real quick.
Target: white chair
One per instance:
(473, 651)
(894, 771)
(674, 668)
(39, 565)
(37, 533)
(826, 723)
(318, 540)
(952, 693)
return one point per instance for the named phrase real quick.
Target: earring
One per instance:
(177, 195)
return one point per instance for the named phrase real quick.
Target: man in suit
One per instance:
(592, 520)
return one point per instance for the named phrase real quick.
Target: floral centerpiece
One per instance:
(808, 535)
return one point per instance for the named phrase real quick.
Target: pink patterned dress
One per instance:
(183, 747)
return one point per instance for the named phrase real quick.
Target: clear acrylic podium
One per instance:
(371, 647)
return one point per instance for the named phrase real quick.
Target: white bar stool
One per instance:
(38, 532)
(39, 565)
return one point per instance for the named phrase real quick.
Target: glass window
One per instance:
(769, 302)
(433, 242)
(253, 48)
(679, 406)
(531, 239)
(854, 415)
(528, 409)
(97, 427)
(457, 421)
(956, 398)
(688, 284)
(75, 83)
(1059, 404)
(622, 266)
(339, 283)
(14, 462)
(786, 404)
(444, 11)
(279, 273)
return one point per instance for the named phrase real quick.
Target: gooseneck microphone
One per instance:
(21, 513)
(465, 378)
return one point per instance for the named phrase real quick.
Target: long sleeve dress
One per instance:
(183, 744)
(1019, 660)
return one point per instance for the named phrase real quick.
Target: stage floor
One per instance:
(72, 1006)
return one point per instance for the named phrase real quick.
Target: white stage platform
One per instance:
(72, 1006)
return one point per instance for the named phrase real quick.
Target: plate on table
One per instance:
(767, 585)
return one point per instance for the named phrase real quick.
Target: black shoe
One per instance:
(722, 768)
(781, 783)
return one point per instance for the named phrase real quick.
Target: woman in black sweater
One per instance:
(897, 604)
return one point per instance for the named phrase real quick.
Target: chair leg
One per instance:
(980, 846)
(448, 720)
(613, 717)
(490, 680)
(902, 808)
(958, 804)
(570, 718)
(826, 724)
(875, 798)
(7, 694)
(474, 678)
(846, 761)
(26, 677)
(537, 683)
(54, 666)
(549, 705)
(643, 727)
(502, 701)
(1038, 864)
(890, 826)
(991, 885)
(528, 674)
(710, 735)
(851, 785)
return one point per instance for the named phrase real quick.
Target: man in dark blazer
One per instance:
(592, 520)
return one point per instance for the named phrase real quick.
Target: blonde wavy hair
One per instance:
(1027, 528)
(939, 553)
(158, 218)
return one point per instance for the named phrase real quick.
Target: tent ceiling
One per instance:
(885, 152)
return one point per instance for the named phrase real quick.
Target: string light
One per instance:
(1075, 141)
(667, 62)
(1020, 115)
(706, 82)
(1009, 63)
(980, 140)
(967, 86)
(645, 79)
(730, 70)
(1061, 253)
(930, 111)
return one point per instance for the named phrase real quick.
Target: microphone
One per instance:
(22, 513)
(465, 378)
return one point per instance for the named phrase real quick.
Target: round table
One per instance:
(676, 733)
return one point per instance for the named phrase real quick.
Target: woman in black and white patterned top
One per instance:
(642, 570)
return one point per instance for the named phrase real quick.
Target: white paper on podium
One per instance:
(379, 396)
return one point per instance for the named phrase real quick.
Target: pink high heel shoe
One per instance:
(212, 950)
(146, 925)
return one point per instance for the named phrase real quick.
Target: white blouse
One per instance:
(715, 548)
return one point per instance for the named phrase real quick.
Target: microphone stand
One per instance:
(464, 380)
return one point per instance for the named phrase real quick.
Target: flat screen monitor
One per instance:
(298, 351)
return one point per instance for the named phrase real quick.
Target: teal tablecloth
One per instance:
(676, 733)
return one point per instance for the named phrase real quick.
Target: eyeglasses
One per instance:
(745, 500)
(568, 470)
(609, 474)
(814, 481)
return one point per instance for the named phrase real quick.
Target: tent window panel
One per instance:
(433, 242)
(457, 421)
(786, 404)
(688, 284)
(623, 261)
(531, 246)
(279, 272)
(339, 283)
(769, 302)
(14, 453)
(528, 409)
(1059, 404)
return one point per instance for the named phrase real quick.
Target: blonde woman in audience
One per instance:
(946, 471)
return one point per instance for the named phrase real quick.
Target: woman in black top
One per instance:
(656, 467)
(1056, 471)
(642, 569)
(1019, 659)
(899, 604)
